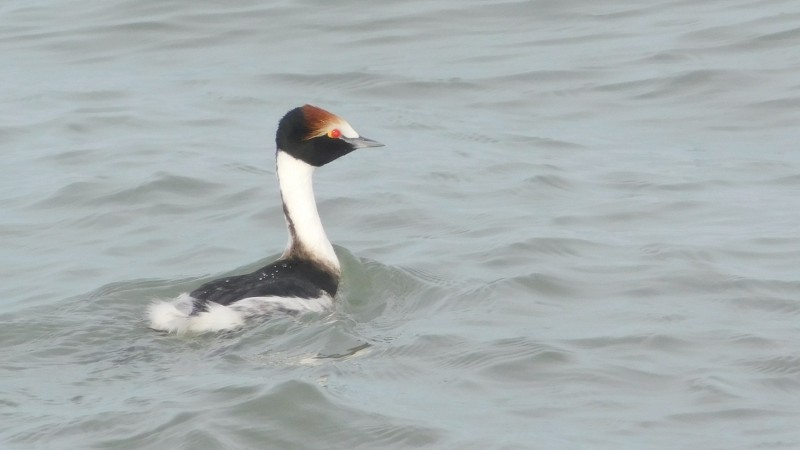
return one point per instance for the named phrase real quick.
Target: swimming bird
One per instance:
(306, 276)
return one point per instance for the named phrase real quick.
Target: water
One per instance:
(582, 232)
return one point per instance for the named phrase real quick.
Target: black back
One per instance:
(289, 277)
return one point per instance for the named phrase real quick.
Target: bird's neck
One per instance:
(307, 238)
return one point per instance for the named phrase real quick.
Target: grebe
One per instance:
(306, 276)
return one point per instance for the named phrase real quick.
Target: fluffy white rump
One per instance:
(173, 316)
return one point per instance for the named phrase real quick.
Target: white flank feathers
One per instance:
(173, 316)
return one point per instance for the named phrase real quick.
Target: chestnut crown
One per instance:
(318, 137)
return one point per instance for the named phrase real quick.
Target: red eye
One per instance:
(334, 133)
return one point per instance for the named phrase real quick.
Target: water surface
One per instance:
(582, 232)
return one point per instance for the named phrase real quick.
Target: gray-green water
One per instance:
(583, 231)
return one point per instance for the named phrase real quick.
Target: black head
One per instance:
(317, 137)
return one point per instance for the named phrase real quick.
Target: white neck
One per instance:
(297, 192)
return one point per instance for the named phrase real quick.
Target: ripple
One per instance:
(781, 365)
(87, 193)
(346, 80)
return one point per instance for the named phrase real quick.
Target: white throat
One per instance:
(300, 207)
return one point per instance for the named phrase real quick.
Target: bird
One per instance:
(306, 276)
